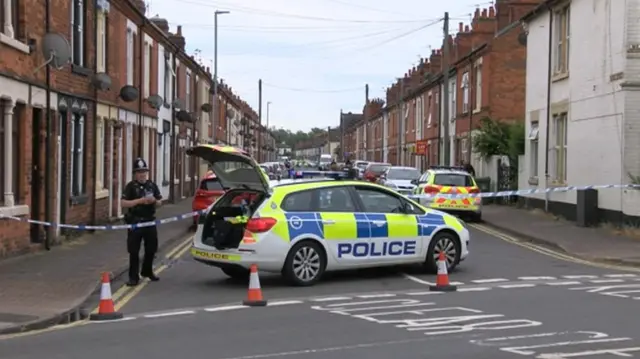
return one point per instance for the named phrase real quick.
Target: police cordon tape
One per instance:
(420, 196)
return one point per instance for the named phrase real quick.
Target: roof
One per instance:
(539, 10)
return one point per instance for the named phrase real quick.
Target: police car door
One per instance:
(394, 235)
(347, 240)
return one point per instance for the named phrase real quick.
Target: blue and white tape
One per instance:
(420, 196)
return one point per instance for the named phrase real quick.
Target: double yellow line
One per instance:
(550, 252)
(123, 295)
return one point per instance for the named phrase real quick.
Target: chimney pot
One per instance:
(484, 13)
(476, 14)
(460, 27)
(466, 28)
(179, 31)
(492, 12)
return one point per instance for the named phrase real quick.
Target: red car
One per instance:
(208, 192)
(374, 170)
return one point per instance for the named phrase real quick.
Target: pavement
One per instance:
(598, 244)
(514, 299)
(49, 287)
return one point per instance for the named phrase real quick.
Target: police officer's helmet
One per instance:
(140, 165)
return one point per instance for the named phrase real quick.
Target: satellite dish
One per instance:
(206, 107)
(177, 104)
(522, 38)
(101, 81)
(129, 93)
(155, 101)
(231, 113)
(183, 116)
(212, 90)
(56, 50)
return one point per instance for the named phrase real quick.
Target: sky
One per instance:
(314, 56)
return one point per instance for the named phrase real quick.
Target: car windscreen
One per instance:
(211, 184)
(453, 179)
(362, 165)
(403, 174)
(377, 169)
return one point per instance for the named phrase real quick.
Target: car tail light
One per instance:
(201, 193)
(431, 190)
(474, 190)
(260, 225)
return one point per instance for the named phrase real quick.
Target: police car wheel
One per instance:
(236, 273)
(305, 263)
(448, 243)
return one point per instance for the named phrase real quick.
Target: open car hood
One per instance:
(234, 167)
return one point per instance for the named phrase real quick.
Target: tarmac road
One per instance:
(511, 302)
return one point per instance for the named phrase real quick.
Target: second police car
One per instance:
(303, 228)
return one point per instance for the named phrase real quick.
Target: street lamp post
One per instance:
(215, 67)
(268, 105)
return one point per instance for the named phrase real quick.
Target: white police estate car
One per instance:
(302, 228)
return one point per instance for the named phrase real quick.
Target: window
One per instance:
(211, 184)
(102, 28)
(147, 70)
(429, 110)
(335, 199)
(166, 147)
(77, 155)
(10, 143)
(167, 79)
(452, 100)
(187, 162)
(478, 104)
(464, 85)
(453, 180)
(298, 202)
(187, 100)
(10, 18)
(376, 201)
(533, 141)
(560, 133)
(130, 57)
(100, 131)
(561, 40)
(78, 16)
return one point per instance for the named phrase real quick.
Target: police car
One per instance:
(303, 228)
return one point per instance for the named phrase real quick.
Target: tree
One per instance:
(500, 139)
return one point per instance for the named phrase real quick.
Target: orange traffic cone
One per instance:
(442, 280)
(254, 296)
(106, 310)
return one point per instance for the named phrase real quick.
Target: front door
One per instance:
(394, 235)
(36, 175)
(62, 175)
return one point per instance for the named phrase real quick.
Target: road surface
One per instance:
(514, 300)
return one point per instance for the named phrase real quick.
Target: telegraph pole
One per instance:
(215, 109)
(445, 96)
(400, 122)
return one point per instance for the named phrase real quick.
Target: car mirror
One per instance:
(415, 182)
(408, 208)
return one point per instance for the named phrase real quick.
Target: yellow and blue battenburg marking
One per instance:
(361, 225)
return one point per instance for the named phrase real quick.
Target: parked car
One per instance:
(209, 190)
(361, 166)
(374, 170)
(400, 179)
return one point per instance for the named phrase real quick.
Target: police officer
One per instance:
(140, 197)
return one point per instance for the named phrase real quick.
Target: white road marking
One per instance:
(284, 302)
(473, 289)
(169, 314)
(456, 283)
(222, 309)
(113, 321)
(575, 282)
(384, 295)
(626, 275)
(537, 278)
(606, 280)
(332, 349)
(510, 286)
(490, 280)
(580, 276)
(424, 293)
(417, 280)
(329, 299)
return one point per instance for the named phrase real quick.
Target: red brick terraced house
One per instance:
(127, 89)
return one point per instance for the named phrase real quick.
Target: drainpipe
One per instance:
(546, 139)
(472, 98)
(48, 168)
(95, 122)
(172, 155)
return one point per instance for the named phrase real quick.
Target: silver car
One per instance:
(400, 178)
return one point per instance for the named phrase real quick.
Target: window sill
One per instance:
(188, 179)
(533, 181)
(15, 211)
(556, 183)
(79, 200)
(165, 183)
(103, 193)
(560, 76)
(16, 44)
(477, 111)
(177, 181)
(80, 70)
